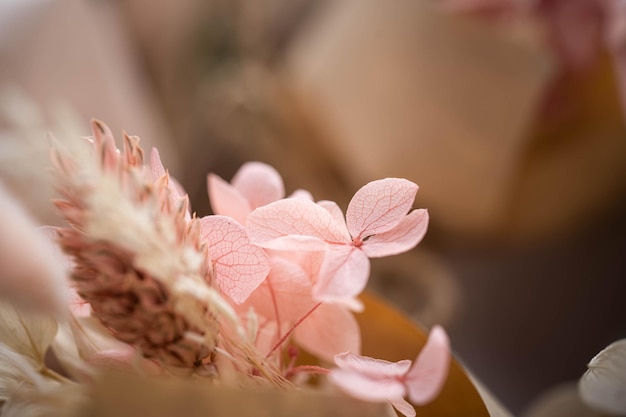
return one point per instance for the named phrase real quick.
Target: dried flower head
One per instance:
(133, 244)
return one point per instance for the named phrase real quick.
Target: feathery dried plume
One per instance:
(133, 244)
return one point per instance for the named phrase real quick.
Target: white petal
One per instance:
(603, 386)
(15, 369)
(29, 334)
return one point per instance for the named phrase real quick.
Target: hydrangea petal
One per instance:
(295, 243)
(603, 386)
(300, 193)
(429, 372)
(379, 205)
(337, 214)
(289, 286)
(372, 367)
(259, 183)
(330, 329)
(404, 407)
(402, 238)
(343, 275)
(364, 388)
(226, 200)
(292, 216)
(239, 267)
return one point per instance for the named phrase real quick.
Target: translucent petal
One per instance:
(300, 193)
(330, 329)
(430, 370)
(364, 388)
(337, 214)
(372, 367)
(343, 274)
(379, 205)
(402, 238)
(287, 290)
(292, 216)
(259, 183)
(295, 243)
(239, 267)
(603, 386)
(226, 200)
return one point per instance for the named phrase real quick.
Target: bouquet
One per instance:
(137, 282)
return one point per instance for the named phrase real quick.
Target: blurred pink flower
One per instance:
(371, 379)
(30, 275)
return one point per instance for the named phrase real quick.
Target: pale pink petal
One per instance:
(300, 193)
(337, 214)
(267, 336)
(226, 200)
(287, 290)
(343, 275)
(292, 216)
(295, 243)
(364, 388)
(372, 367)
(31, 274)
(309, 261)
(330, 329)
(404, 407)
(239, 267)
(259, 183)
(430, 371)
(379, 205)
(404, 237)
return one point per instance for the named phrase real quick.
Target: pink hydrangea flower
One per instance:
(376, 225)
(375, 380)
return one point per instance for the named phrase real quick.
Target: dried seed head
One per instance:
(132, 242)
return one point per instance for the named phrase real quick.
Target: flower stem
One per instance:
(295, 325)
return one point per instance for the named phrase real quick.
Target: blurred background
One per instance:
(508, 118)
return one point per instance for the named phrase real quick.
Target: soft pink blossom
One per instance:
(376, 225)
(372, 379)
